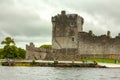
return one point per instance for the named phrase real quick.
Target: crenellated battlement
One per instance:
(105, 38)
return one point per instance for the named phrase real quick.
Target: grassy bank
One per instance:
(103, 60)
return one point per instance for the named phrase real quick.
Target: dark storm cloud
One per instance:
(30, 20)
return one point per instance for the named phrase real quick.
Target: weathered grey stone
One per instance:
(69, 42)
(35, 53)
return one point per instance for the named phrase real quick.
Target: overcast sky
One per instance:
(30, 20)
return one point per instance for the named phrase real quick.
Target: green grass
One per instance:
(103, 60)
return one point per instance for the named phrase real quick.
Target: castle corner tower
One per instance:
(65, 29)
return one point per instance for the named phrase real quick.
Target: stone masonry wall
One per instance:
(35, 53)
(104, 44)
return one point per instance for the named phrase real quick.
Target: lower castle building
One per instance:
(69, 41)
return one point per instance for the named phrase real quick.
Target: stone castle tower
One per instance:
(65, 29)
(69, 38)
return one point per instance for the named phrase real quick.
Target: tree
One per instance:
(1, 53)
(10, 50)
(8, 41)
(21, 53)
(46, 46)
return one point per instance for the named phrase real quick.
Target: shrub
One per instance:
(33, 62)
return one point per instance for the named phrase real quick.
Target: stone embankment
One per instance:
(51, 63)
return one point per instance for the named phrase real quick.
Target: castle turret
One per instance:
(118, 34)
(63, 13)
(108, 34)
(91, 33)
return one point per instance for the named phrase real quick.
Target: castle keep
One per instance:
(70, 41)
(65, 31)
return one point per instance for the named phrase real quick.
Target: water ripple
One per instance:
(58, 73)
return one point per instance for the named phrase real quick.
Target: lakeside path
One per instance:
(109, 65)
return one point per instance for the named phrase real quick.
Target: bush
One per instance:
(55, 62)
(46, 46)
(33, 62)
(49, 63)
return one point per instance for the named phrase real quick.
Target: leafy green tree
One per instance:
(1, 53)
(22, 53)
(10, 50)
(8, 41)
(46, 46)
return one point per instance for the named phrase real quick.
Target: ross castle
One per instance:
(69, 41)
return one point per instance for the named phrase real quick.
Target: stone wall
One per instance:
(74, 56)
(104, 44)
(35, 53)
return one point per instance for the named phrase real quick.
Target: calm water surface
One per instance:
(57, 73)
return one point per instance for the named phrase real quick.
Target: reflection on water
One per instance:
(57, 73)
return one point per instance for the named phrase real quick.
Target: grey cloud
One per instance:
(22, 22)
(29, 20)
(107, 9)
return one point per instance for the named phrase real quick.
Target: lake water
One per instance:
(57, 73)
